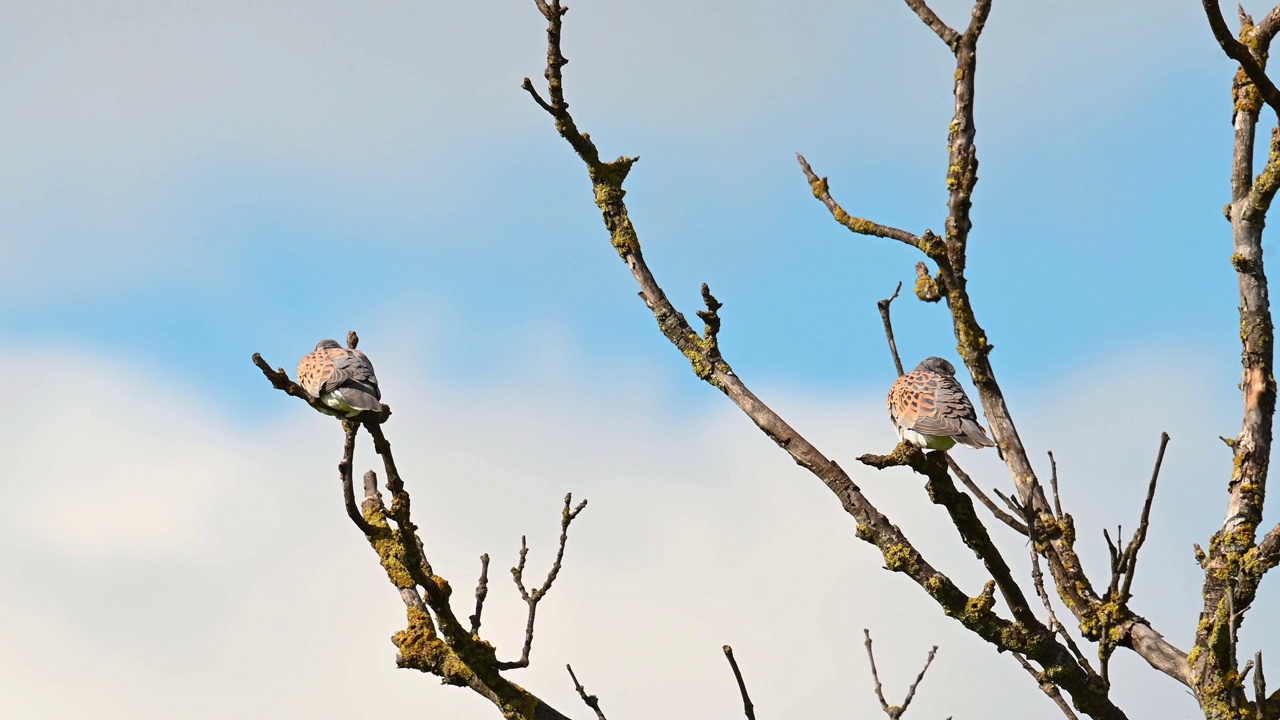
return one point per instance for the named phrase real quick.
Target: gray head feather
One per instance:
(938, 365)
(327, 344)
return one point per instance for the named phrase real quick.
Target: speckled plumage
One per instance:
(930, 410)
(340, 378)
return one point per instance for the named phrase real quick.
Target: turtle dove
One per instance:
(930, 410)
(342, 379)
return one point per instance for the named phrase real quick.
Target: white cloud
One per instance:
(129, 126)
(170, 560)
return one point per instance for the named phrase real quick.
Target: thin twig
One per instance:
(533, 597)
(862, 226)
(911, 691)
(883, 305)
(894, 711)
(747, 707)
(1004, 517)
(1010, 502)
(1259, 686)
(1047, 688)
(935, 23)
(1140, 535)
(482, 591)
(591, 701)
(1117, 561)
(875, 676)
(1055, 626)
(1053, 484)
(344, 472)
(711, 325)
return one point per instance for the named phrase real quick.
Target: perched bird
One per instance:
(340, 378)
(930, 410)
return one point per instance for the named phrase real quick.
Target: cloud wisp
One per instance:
(171, 560)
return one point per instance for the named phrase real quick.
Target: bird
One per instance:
(341, 379)
(929, 409)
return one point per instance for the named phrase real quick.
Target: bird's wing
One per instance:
(314, 370)
(944, 407)
(350, 366)
(914, 404)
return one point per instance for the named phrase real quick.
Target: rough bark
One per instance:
(1235, 563)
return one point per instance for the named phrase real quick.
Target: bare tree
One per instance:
(1027, 628)
(435, 641)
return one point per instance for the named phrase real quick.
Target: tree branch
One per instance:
(858, 225)
(1065, 565)
(482, 591)
(1004, 517)
(532, 598)
(591, 701)
(1266, 30)
(1233, 565)
(1259, 686)
(974, 534)
(748, 708)
(1140, 535)
(1239, 52)
(1053, 484)
(433, 640)
(344, 472)
(975, 613)
(883, 306)
(1055, 626)
(1047, 687)
(894, 711)
(941, 29)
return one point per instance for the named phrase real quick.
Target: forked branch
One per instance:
(535, 596)
(1047, 687)
(949, 253)
(1239, 52)
(894, 711)
(975, 613)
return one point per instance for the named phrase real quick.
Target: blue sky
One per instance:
(276, 210)
(185, 185)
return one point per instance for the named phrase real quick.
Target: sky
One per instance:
(185, 184)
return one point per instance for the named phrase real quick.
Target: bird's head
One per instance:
(938, 365)
(323, 344)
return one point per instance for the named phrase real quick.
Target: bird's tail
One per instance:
(360, 397)
(974, 436)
